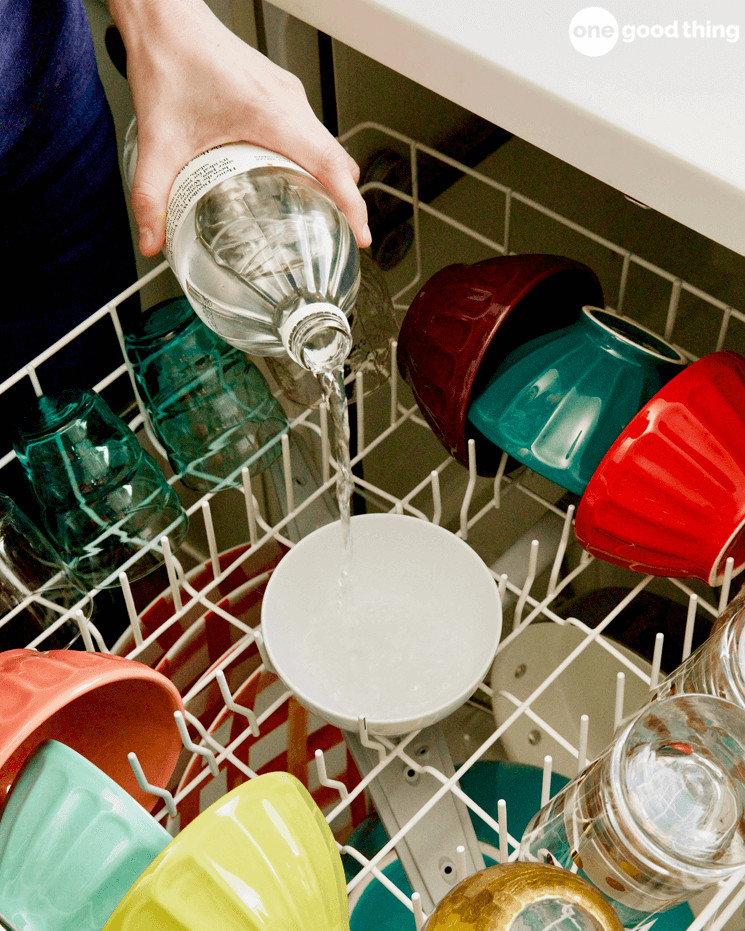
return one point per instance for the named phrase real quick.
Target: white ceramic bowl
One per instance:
(419, 623)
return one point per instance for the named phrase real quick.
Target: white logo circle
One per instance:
(593, 31)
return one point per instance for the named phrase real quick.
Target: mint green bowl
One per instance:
(72, 842)
(559, 402)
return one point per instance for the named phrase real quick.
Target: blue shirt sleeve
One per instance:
(64, 211)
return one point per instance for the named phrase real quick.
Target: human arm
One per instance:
(196, 85)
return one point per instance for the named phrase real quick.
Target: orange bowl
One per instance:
(102, 706)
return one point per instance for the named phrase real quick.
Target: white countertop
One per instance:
(660, 119)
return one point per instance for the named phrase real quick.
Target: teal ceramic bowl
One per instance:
(559, 402)
(72, 842)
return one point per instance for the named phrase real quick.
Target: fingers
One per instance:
(343, 188)
(354, 168)
(335, 169)
(163, 152)
(149, 213)
(152, 184)
(290, 126)
(338, 172)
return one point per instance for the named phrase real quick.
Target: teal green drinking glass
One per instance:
(36, 587)
(103, 498)
(209, 406)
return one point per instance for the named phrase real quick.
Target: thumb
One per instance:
(152, 184)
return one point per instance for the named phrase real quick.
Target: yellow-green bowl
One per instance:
(262, 857)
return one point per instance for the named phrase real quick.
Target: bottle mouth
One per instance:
(317, 337)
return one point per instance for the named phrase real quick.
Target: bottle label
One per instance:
(208, 307)
(204, 171)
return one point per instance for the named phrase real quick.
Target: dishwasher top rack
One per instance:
(500, 517)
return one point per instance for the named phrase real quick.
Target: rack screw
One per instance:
(447, 870)
(520, 671)
(534, 737)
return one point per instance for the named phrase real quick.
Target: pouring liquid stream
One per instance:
(334, 396)
(371, 623)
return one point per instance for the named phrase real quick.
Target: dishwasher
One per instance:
(582, 643)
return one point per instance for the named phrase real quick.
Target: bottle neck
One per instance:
(316, 336)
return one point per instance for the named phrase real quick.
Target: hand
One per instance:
(196, 85)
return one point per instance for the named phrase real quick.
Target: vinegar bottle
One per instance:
(262, 252)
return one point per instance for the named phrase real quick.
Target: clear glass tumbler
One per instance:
(658, 817)
(36, 587)
(210, 407)
(717, 667)
(103, 498)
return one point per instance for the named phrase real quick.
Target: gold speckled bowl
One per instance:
(523, 897)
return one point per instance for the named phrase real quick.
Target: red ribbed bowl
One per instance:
(448, 343)
(668, 498)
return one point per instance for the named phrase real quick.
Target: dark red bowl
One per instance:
(448, 347)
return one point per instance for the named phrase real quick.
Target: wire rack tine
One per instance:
(620, 689)
(323, 776)
(250, 503)
(189, 744)
(546, 780)
(146, 786)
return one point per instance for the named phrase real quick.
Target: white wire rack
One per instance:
(430, 486)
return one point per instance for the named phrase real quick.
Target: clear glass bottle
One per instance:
(262, 252)
(373, 324)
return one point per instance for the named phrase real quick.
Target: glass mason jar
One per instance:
(103, 498)
(208, 404)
